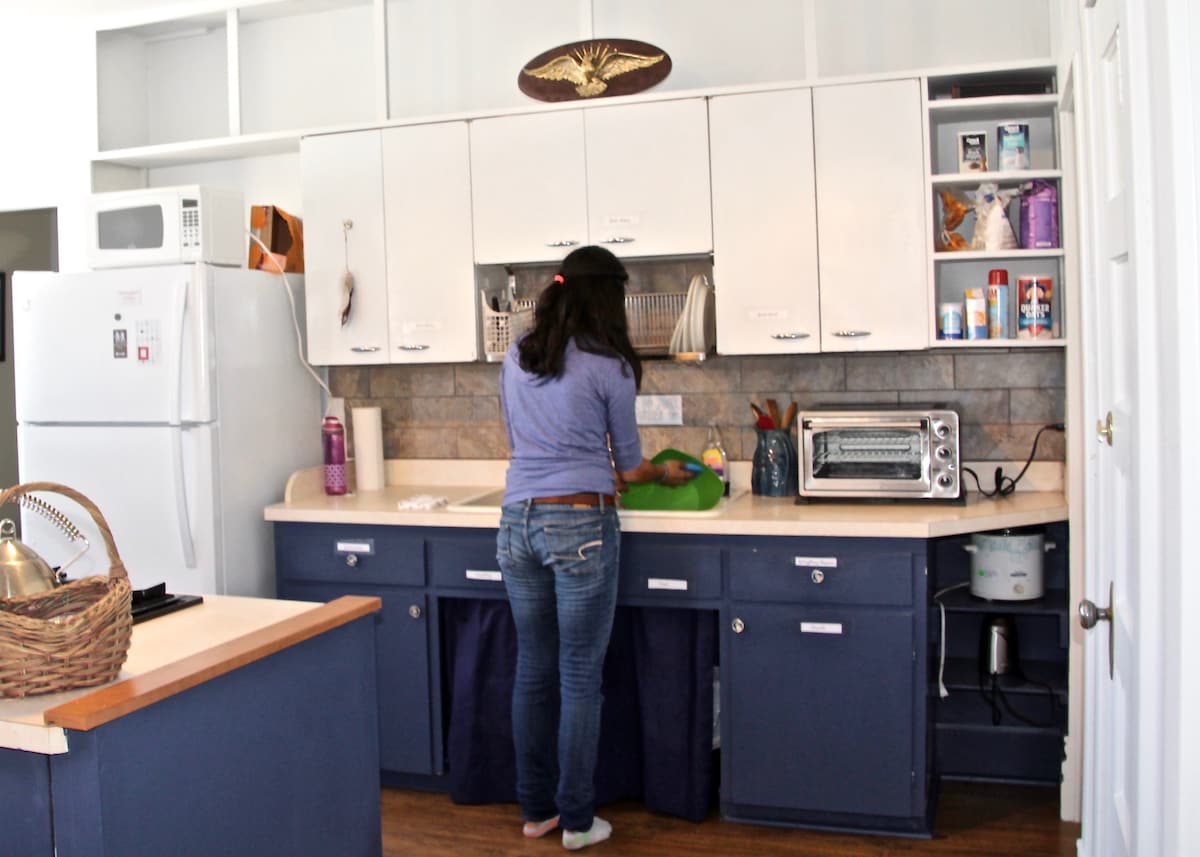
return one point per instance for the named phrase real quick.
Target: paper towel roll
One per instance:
(368, 448)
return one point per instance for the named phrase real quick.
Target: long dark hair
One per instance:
(584, 302)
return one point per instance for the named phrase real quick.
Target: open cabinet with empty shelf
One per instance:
(995, 136)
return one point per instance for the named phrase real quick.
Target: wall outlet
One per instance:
(659, 410)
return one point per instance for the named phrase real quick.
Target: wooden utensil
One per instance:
(773, 411)
(789, 416)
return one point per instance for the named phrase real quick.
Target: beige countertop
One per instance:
(742, 514)
(169, 654)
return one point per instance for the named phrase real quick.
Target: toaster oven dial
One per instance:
(945, 480)
(941, 429)
(943, 452)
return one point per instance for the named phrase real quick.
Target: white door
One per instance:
(647, 178)
(528, 187)
(870, 172)
(764, 223)
(1124, 477)
(431, 272)
(342, 183)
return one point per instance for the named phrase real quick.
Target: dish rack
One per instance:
(652, 319)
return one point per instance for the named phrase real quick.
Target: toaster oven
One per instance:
(885, 452)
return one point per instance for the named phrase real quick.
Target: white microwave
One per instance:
(166, 226)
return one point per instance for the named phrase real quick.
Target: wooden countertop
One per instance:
(168, 655)
(744, 514)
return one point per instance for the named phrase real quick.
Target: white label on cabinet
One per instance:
(817, 561)
(766, 313)
(622, 220)
(420, 326)
(473, 574)
(820, 627)
(666, 583)
(355, 547)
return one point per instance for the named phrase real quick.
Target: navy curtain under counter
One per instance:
(656, 736)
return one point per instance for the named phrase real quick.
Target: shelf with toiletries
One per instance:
(997, 262)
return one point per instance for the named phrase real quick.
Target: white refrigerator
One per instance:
(174, 398)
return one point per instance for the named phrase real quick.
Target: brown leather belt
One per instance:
(586, 500)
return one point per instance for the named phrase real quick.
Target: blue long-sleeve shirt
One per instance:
(559, 429)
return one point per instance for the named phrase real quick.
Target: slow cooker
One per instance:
(1006, 565)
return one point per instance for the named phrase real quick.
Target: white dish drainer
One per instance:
(652, 319)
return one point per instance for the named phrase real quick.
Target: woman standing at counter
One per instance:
(567, 390)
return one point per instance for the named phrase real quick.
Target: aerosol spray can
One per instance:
(997, 305)
(333, 443)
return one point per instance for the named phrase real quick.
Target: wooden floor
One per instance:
(973, 820)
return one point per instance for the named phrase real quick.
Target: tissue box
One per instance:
(283, 233)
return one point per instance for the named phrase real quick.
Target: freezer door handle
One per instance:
(175, 367)
(186, 543)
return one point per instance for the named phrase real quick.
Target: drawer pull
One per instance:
(820, 627)
(476, 574)
(738, 626)
(352, 559)
(666, 583)
(818, 576)
(414, 610)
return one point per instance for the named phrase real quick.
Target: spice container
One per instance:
(975, 321)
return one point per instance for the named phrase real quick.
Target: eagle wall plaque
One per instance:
(594, 68)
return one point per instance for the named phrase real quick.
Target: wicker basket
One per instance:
(76, 635)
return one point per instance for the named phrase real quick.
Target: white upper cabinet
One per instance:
(869, 156)
(342, 179)
(427, 210)
(633, 178)
(764, 223)
(528, 187)
(647, 178)
(393, 208)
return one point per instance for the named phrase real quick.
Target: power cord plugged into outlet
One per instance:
(1003, 485)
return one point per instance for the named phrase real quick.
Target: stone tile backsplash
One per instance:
(1003, 398)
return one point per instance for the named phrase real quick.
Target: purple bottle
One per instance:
(333, 442)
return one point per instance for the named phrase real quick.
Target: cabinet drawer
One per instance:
(466, 562)
(349, 554)
(820, 575)
(666, 573)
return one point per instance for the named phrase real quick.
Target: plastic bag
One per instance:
(993, 230)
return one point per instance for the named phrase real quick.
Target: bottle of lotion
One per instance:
(714, 455)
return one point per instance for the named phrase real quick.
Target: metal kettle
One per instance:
(22, 571)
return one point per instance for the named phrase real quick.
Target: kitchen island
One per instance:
(239, 726)
(810, 625)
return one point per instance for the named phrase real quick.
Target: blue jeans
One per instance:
(560, 570)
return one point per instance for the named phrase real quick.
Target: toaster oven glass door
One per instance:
(884, 457)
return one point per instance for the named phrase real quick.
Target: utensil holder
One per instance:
(773, 472)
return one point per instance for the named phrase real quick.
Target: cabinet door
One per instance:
(528, 187)
(431, 276)
(342, 185)
(871, 205)
(647, 178)
(820, 709)
(406, 739)
(764, 223)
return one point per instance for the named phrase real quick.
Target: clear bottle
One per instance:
(333, 444)
(714, 456)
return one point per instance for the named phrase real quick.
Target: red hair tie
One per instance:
(558, 278)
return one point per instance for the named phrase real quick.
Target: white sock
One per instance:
(600, 830)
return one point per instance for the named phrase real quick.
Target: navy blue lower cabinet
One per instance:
(824, 705)
(409, 736)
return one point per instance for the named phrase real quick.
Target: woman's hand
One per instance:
(672, 473)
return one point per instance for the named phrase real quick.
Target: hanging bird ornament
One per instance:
(610, 67)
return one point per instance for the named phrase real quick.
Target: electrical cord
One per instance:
(1004, 485)
(937, 597)
(287, 285)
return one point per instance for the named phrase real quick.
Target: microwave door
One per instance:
(867, 456)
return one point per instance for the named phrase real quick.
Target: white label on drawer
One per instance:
(817, 561)
(355, 547)
(666, 583)
(474, 574)
(820, 627)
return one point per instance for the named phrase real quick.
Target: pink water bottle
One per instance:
(333, 441)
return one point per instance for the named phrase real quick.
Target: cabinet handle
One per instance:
(851, 334)
(617, 239)
(352, 559)
(413, 347)
(738, 626)
(797, 335)
(818, 576)
(364, 349)
(566, 242)
(414, 610)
